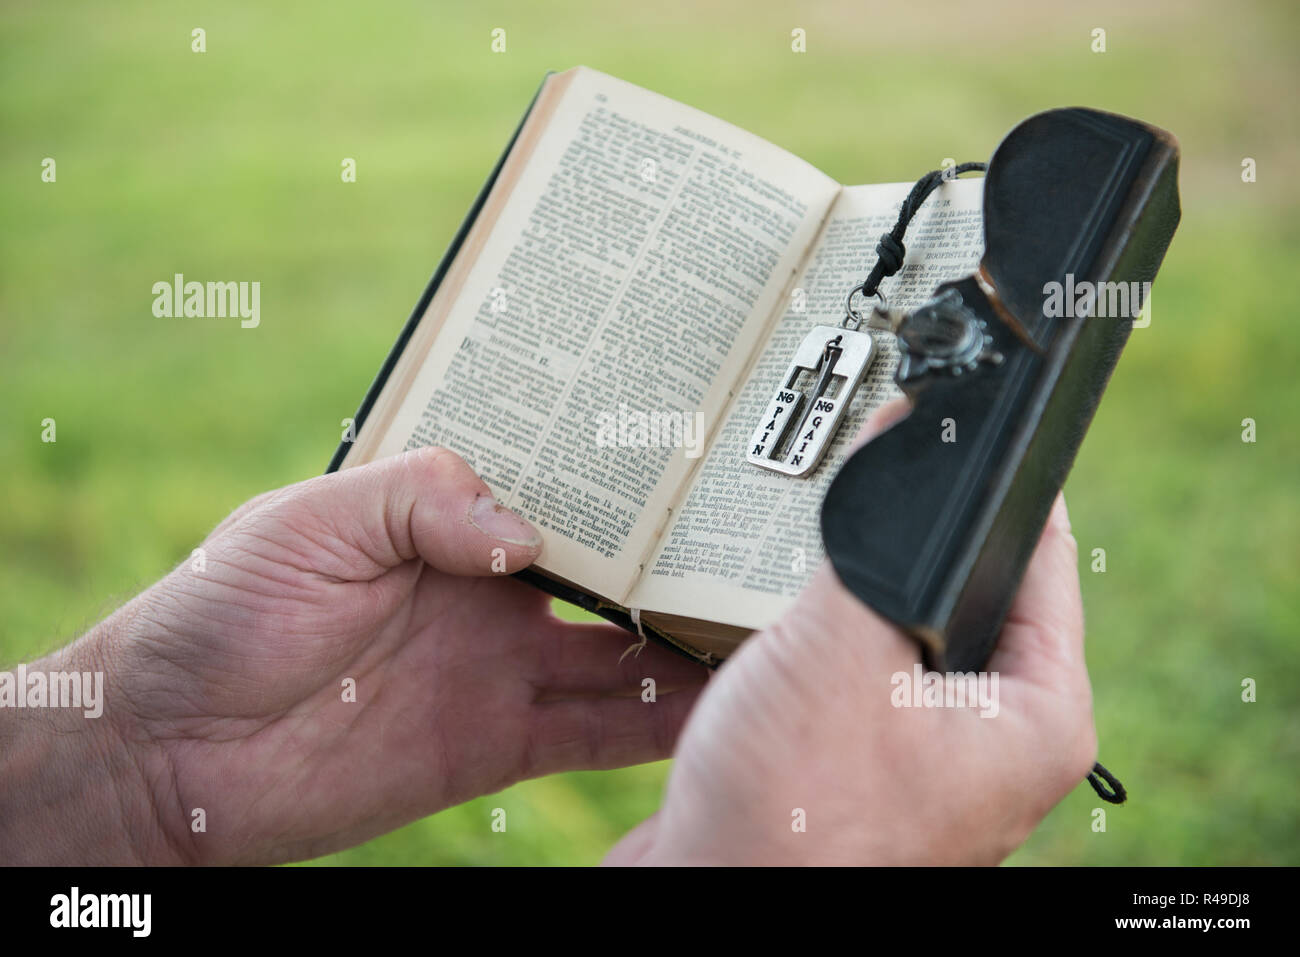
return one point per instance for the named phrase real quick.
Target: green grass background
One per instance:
(226, 165)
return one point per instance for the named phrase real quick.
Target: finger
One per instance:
(882, 420)
(1042, 647)
(635, 844)
(1043, 634)
(595, 659)
(600, 733)
(828, 620)
(241, 511)
(829, 625)
(426, 503)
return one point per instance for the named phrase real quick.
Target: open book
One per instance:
(609, 328)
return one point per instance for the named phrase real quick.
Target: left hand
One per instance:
(225, 689)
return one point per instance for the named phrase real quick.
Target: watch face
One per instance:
(943, 332)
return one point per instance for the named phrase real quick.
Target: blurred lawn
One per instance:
(226, 165)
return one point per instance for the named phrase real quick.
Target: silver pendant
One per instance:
(806, 411)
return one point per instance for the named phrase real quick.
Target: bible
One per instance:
(609, 325)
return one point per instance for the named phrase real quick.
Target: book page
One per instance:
(593, 341)
(746, 540)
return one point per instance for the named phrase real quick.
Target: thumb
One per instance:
(881, 420)
(831, 614)
(426, 503)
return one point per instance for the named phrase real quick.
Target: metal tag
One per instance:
(806, 411)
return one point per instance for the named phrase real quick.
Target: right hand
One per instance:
(801, 718)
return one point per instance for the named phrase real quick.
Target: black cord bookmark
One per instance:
(890, 250)
(809, 404)
(1116, 794)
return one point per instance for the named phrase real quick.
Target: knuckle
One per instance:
(1083, 753)
(436, 459)
(1071, 545)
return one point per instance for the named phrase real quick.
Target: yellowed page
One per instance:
(631, 271)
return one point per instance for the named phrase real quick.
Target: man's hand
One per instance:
(225, 686)
(799, 724)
